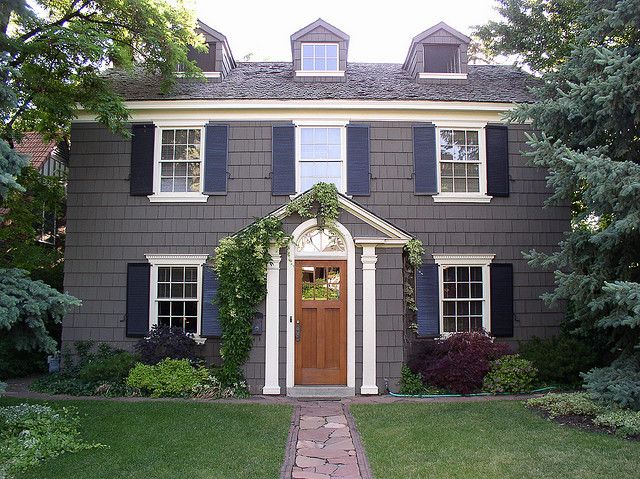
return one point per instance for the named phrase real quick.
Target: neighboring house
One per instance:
(50, 158)
(417, 151)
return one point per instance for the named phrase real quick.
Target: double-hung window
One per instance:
(320, 57)
(176, 291)
(464, 292)
(179, 163)
(321, 156)
(461, 164)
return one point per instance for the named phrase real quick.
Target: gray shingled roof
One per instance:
(364, 81)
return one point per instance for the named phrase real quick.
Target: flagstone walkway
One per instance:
(324, 444)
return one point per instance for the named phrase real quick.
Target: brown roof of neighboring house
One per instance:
(36, 148)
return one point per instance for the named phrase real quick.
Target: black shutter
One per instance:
(428, 300)
(141, 174)
(424, 159)
(358, 160)
(138, 285)
(210, 326)
(497, 160)
(502, 300)
(283, 169)
(215, 159)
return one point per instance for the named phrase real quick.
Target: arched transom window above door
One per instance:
(320, 241)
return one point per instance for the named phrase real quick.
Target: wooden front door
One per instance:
(321, 322)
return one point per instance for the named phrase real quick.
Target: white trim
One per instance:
(483, 260)
(461, 198)
(443, 76)
(272, 325)
(212, 74)
(174, 196)
(463, 259)
(161, 260)
(369, 320)
(319, 73)
(464, 197)
(178, 198)
(343, 150)
(359, 212)
(351, 302)
(380, 242)
(320, 123)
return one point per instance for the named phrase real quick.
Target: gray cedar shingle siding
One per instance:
(107, 228)
(363, 81)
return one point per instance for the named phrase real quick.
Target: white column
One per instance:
(369, 260)
(272, 320)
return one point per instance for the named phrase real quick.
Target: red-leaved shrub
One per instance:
(458, 363)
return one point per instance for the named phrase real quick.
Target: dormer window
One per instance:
(320, 57)
(442, 58)
(319, 52)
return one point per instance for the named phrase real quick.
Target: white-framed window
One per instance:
(464, 284)
(320, 57)
(321, 156)
(179, 163)
(461, 155)
(176, 291)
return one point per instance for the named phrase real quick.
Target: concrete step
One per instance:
(320, 392)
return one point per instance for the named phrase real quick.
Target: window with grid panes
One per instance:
(459, 161)
(181, 160)
(321, 156)
(178, 297)
(462, 298)
(320, 57)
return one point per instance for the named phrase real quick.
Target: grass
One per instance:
(497, 439)
(163, 439)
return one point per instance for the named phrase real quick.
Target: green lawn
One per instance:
(485, 440)
(173, 440)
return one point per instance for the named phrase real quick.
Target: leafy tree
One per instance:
(540, 32)
(51, 59)
(588, 115)
(29, 238)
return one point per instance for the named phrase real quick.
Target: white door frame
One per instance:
(351, 298)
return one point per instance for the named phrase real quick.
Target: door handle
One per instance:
(298, 331)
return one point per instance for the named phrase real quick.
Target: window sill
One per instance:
(197, 198)
(453, 198)
(311, 73)
(443, 76)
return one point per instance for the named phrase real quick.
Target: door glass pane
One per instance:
(333, 281)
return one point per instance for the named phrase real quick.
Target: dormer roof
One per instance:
(441, 26)
(208, 31)
(318, 24)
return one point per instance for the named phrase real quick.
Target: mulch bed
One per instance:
(582, 422)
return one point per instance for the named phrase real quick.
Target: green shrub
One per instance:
(560, 359)
(565, 404)
(30, 433)
(623, 421)
(212, 388)
(410, 382)
(113, 368)
(18, 364)
(3, 387)
(618, 384)
(62, 383)
(168, 378)
(510, 374)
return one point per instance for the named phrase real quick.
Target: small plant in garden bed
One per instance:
(510, 374)
(458, 363)
(581, 410)
(413, 385)
(30, 433)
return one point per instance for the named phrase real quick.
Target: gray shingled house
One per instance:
(416, 150)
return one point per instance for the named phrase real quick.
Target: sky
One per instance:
(380, 30)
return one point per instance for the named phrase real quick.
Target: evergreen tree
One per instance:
(588, 116)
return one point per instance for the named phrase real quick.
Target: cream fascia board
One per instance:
(463, 259)
(380, 242)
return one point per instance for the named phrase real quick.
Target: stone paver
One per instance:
(325, 446)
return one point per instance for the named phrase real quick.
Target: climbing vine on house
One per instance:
(241, 263)
(413, 253)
